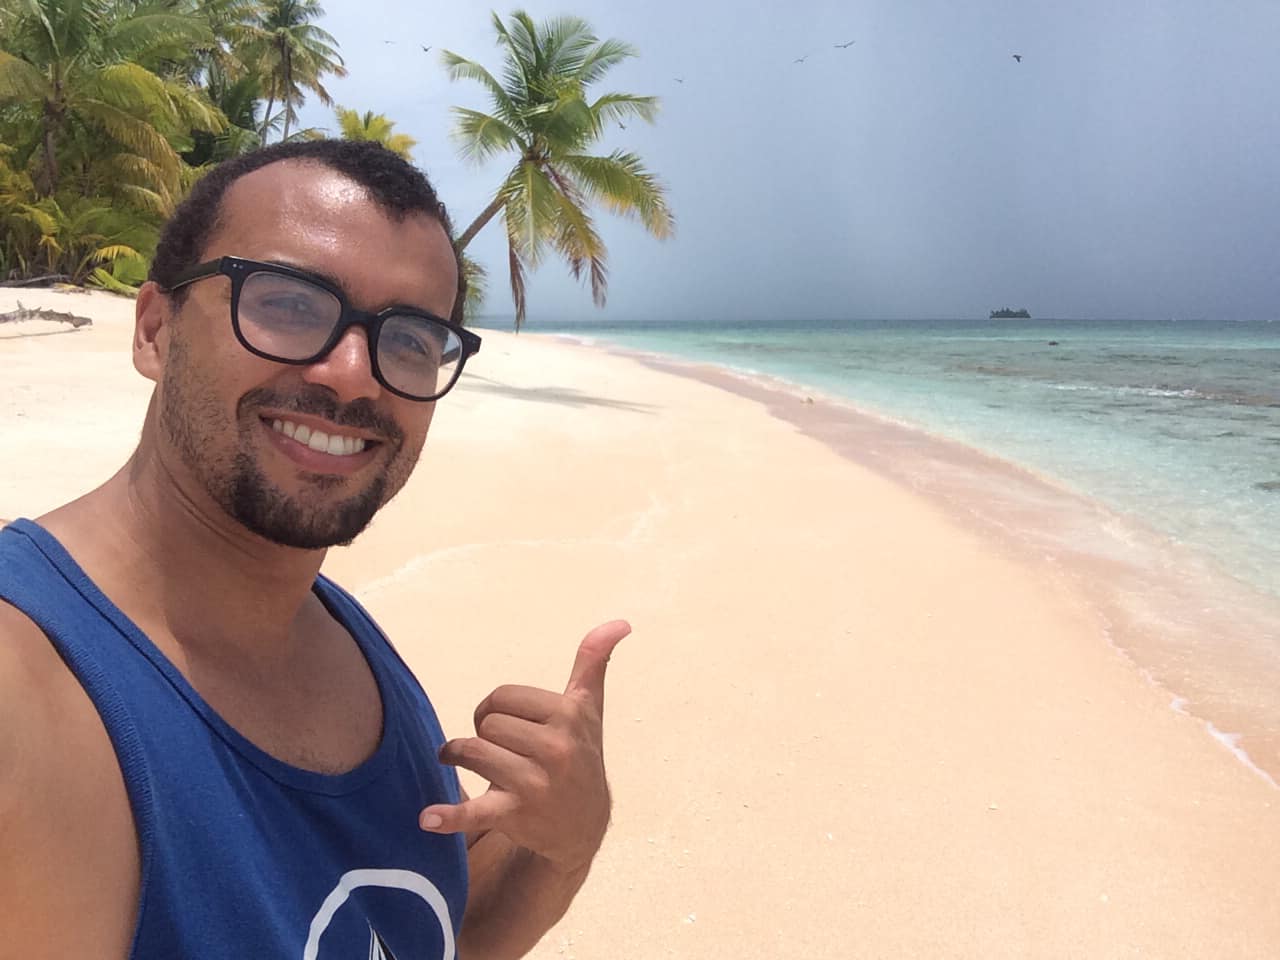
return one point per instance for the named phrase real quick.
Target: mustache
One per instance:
(320, 401)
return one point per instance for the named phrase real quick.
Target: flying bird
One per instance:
(1018, 57)
(845, 46)
(388, 41)
(801, 59)
(425, 49)
(678, 79)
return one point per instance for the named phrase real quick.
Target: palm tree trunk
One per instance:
(287, 76)
(266, 117)
(51, 121)
(477, 225)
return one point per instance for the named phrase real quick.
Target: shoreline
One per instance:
(1226, 627)
(845, 724)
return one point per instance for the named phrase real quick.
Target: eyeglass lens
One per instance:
(292, 319)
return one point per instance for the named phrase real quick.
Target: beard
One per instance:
(316, 517)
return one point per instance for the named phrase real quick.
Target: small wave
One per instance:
(1173, 392)
(1232, 742)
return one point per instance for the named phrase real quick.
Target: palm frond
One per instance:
(606, 55)
(144, 198)
(19, 80)
(114, 251)
(579, 243)
(137, 135)
(564, 44)
(622, 184)
(157, 35)
(480, 136)
(477, 279)
(615, 107)
(530, 211)
(460, 68)
(132, 88)
(516, 271)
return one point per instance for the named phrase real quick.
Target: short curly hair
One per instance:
(394, 184)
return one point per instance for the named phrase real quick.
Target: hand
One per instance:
(542, 753)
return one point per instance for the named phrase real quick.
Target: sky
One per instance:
(1128, 166)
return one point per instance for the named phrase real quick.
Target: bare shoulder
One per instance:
(68, 847)
(30, 671)
(33, 686)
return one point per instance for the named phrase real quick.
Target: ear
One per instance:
(151, 330)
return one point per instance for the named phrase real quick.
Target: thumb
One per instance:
(587, 676)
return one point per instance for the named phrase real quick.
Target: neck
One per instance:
(172, 558)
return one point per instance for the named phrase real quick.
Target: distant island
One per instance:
(1004, 313)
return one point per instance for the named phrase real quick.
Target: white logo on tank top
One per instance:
(407, 880)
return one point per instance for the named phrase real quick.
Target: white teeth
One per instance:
(334, 444)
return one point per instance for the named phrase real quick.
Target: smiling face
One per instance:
(301, 455)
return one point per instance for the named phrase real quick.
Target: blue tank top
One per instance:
(243, 855)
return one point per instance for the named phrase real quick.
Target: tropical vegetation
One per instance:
(542, 113)
(111, 109)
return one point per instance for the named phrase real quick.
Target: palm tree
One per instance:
(375, 127)
(85, 69)
(541, 113)
(292, 54)
(240, 100)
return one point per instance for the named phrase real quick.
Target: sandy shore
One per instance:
(846, 725)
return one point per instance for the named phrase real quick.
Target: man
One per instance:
(207, 749)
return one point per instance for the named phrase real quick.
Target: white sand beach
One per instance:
(846, 724)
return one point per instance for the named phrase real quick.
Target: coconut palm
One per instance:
(541, 114)
(240, 101)
(375, 127)
(291, 54)
(84, 70)
(237, 29)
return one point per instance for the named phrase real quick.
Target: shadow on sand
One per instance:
(21, 334)
(561, 395)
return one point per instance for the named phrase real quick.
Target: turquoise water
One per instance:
(1174, 422)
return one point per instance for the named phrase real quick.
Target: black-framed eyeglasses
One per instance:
(287, 315)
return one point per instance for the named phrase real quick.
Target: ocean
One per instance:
(1171, 428)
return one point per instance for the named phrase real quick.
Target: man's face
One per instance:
(234, 420)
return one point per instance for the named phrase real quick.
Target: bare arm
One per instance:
(68, 851)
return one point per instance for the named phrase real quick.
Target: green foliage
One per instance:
(477, 287)
(111, 109)
(375, 127)
(541, 112)
(87, 72)
(70, 235)
(290, 55)
(124, 274)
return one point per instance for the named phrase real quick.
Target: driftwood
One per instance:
(37, 281)
(39, 313)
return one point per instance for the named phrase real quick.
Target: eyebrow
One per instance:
(311, 271)
(341, 288)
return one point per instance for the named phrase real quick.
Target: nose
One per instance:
(347, 369)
